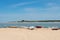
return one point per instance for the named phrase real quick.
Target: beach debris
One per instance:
(38, 26)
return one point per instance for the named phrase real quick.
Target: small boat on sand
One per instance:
(31, 27)
(55, 28)
(39, 26)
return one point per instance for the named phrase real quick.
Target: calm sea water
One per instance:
(45, 24)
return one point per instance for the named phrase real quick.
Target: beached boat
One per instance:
(31, 27)
(39, 26)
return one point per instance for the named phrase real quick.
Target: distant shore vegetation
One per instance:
(39, 21)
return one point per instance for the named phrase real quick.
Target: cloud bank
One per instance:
(23, 4)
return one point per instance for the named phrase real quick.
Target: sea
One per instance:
(27, 24)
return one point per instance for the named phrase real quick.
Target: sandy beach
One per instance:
(26, 34)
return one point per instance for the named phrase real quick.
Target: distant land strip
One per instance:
(38, 21)
(34, 21)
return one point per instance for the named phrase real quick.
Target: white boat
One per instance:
(31, 27)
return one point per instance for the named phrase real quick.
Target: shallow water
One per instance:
(45, 24)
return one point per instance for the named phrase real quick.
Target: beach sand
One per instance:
(26, 34)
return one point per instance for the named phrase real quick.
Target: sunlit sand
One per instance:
(26, 34)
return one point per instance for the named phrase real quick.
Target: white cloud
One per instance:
(53, 9)
(51, 12)
(30, 9)
(51, 4)
(24, 3)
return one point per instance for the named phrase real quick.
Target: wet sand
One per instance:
(26, 34)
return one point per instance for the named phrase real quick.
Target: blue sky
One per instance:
(14, 10)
